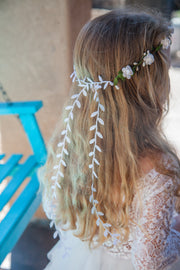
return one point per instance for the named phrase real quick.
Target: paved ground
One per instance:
(30, 252)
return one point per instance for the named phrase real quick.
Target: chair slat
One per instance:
(35, 138)
(18, 217)
(5, 169)
(16, 180)
(29, 199)
(20, 107)
(2, 156)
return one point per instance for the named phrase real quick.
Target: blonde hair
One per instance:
(132, 123)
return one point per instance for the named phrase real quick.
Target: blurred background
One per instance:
(36, 47)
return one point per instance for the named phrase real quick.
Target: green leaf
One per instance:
(116, 81)
(121, 77)
(158, 48)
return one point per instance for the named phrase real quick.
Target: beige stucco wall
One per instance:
(36, 44)
(36, 58)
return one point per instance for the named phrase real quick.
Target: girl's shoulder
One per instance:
(170, 161)
(160, 162)
(160, 170)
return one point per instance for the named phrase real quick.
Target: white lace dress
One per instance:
(152, 245)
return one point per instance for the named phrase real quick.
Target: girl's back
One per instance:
(112, 179)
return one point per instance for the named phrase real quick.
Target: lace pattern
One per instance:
(150, 249)
(153, 243)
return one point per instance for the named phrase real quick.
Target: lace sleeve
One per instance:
(153, 217)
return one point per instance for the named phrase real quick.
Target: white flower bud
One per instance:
(148, 59)
(166, 43)
(127, 72)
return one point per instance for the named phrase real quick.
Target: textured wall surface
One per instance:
(36, 47)
(36, 44)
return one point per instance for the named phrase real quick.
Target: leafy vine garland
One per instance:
(86, 85)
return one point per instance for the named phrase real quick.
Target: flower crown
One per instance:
(86, 84)
(147, 59)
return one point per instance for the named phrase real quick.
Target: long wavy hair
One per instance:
(132, 123)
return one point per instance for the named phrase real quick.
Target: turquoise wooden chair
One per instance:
(22, 210)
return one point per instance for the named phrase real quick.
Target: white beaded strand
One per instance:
(86, 84)
(94, 176)
(65, 132)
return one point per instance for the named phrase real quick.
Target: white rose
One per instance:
(148, 59)
(127, 72)
(166, 43)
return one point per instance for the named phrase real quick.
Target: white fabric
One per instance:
(153, 243)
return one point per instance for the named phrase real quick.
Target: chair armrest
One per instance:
(20, 107)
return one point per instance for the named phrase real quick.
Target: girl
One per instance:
(112, 179)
